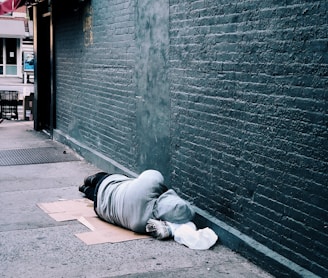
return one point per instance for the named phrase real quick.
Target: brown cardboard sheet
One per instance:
(82, 210)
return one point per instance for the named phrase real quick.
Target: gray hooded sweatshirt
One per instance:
(131, 202)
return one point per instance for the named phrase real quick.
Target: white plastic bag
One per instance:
(201, 239)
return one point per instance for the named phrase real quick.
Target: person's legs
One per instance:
(90, 183)
(89, 192)
(94, 179)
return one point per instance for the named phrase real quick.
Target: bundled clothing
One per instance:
(145, 205)
(131, 202)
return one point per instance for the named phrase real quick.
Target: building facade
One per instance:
(228, 99)
(16, 43)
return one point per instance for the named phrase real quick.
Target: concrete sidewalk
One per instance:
(34, 245)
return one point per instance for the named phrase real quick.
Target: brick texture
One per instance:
(249, 119)
(95, 67)
(247, 85)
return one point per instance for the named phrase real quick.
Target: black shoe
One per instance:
(93, 180)
(82, 188)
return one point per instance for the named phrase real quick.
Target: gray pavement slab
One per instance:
(34, 245)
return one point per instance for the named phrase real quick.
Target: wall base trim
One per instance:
(98, 159)
(256, 252)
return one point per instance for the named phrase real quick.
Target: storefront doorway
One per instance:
(9, 58)
(44, 94)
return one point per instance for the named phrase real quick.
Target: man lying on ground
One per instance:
(145, 205)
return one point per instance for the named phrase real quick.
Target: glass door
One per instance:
(1, 56)
(11, 56)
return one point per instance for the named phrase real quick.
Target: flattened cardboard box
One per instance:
(82, 210)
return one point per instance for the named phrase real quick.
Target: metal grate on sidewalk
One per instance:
(35, 156)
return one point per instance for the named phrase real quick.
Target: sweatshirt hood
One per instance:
(170, 207)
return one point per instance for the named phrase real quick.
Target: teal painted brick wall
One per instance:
(112, 88)
(227, 98)
(249, 119)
